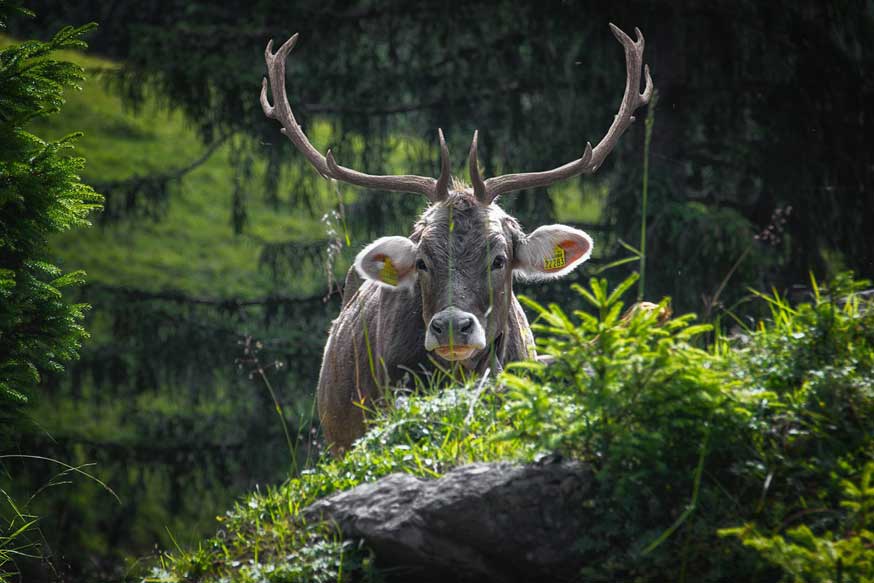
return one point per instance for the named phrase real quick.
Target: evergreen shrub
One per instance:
(40, 194)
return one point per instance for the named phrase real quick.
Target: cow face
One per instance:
(462, 256)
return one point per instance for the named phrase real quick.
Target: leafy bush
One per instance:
(708, 458)
(688, 440)
(828, 557)
(649, 409)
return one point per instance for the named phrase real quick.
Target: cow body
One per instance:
(396, 331)
(387, 325)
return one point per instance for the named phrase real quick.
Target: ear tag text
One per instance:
(557, 261)
(388, 274)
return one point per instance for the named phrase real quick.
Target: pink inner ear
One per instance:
(573, 250)
(401, 273)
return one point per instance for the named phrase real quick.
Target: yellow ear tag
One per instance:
(557, 261)
(388, 274)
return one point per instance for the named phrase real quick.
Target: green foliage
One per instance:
(634, 396)
(816, 360)
(827, 557)
(615, 379)
(687, 441)
(40, 194)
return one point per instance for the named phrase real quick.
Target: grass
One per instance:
(15, 529)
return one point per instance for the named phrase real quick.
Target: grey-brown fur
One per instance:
(396, 320)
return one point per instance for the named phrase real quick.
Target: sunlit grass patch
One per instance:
(423, 435)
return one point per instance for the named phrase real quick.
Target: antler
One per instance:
(591, 159)
(435, 190)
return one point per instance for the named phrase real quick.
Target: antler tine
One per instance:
(592, 158)
(327, 166)
(499, 185)
(479, 187)
(631, 100)
(281, 109)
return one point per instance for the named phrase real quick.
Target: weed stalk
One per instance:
(647, 140)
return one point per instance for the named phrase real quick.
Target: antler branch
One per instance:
(592, 158)
(281, 111)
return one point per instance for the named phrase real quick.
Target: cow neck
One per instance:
(498, 364)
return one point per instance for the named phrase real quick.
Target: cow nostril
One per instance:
(436, 328)
(465, 325)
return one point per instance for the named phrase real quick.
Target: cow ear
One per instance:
(551, 252)
(389, 261)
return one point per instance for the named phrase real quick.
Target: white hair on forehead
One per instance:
(456, 184)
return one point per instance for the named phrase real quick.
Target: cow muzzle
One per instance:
(455, 335)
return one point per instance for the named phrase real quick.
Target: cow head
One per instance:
(462, 256)
(464, 249)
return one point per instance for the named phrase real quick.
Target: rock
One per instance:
(480, 522)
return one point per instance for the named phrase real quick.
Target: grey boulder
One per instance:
(480, 522)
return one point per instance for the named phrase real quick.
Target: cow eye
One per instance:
(499, 262)
(420, 265)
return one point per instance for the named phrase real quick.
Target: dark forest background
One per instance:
(761, 172)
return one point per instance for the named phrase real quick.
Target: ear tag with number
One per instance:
(388, 274)
(557, 261)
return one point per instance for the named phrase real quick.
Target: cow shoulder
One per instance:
(520, 341)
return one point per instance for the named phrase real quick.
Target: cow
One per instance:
(446, 291)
